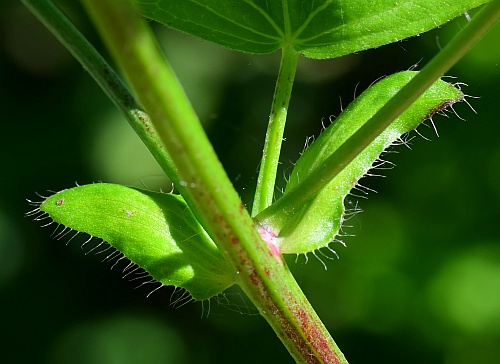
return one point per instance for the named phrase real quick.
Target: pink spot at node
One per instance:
(270, 237)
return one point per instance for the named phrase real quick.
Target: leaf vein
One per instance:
(312, 14)
(387, 13)
(231, 21)
(266, 16)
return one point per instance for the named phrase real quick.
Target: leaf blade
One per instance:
(315, 224)
(235, 24)
(370, 24)
(317, 29)
(156, 231)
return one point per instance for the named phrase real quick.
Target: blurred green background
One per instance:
(419, 282)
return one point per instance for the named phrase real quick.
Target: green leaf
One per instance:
(156, 231)
(315, 28)
(317, 223)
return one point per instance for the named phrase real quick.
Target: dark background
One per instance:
(418, 283)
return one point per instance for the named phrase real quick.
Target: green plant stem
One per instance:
(62, 28)
(266, 181)
(261, 272)
(333, 165)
